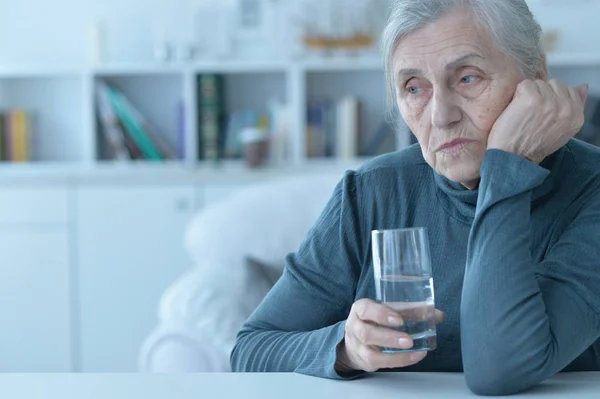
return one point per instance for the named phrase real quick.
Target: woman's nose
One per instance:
(446, 112)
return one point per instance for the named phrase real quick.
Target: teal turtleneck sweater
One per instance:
(516, 268)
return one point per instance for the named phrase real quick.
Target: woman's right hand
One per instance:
(365, 336)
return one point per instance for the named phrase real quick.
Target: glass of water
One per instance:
(403, 282)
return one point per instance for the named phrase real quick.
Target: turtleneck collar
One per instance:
(461, 202)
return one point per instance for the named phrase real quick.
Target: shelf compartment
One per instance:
(159, 99)
(55, 106)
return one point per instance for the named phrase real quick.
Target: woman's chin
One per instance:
(466, 174)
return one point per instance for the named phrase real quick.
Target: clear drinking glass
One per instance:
(403, 281)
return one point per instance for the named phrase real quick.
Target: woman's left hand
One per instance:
(542, 117)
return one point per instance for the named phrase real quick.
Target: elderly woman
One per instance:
(511, 203)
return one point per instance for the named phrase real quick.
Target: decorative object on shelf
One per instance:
(549, 40)
(163, 52)
(256, 146)
(97, 42)
(127, 132)
(15, 136)
(186, 52)
(339, 25)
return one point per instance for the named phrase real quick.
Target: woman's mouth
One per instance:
(454, 146)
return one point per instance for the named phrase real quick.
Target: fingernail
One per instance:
(393, 320)
(405, 343)
(415, 357)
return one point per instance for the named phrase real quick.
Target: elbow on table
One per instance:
(240, 363)
(496, 380)
(486, 386)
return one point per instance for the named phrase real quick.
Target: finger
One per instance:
(378, 360)
(371, 311)
(546, 91)
(583, 91)
(560, 89)
(527, 86)
(373, 335)
(575, 95)
(439, 316)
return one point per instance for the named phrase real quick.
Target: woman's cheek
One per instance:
(416, 109)
(488, 107)
(486, 115)
(419, 124)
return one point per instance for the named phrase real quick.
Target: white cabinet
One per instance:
(39, 206)
(35, 283)
(129, 250)
(214, 193)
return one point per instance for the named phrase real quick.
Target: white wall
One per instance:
(55, 32)
(577, 21)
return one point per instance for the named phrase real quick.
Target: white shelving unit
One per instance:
(62, 98)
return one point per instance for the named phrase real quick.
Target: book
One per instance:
(279, 114)
(111, 127)
(166, 150)
(132, 148)
(320, 128)
(18, 134)
(236, 122)
(8, 147)
(210, 116)
(3, 136)
(348, 128)
(135, 131)
(181, 129)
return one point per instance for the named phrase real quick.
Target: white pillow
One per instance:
(258, 225)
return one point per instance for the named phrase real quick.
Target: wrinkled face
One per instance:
(452, 84)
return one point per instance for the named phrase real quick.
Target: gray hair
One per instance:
(510, 23)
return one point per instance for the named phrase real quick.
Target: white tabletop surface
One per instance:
(267, 386)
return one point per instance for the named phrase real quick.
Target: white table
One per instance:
(267, 386)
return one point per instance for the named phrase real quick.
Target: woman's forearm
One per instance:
(311, 353)
(512, 338)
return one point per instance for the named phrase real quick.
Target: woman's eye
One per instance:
(413, 90)
(468, 79)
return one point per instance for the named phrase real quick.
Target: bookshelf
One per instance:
(66, 133)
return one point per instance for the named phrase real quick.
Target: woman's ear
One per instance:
(543, 73)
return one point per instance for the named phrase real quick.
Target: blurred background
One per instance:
(159, 159)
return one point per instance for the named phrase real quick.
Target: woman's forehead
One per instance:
(442, 42)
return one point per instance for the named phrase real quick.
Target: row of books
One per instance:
(15, 136)
(336, 128)
(220, 133)
(128, 134)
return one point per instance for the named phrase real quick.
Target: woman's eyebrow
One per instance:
(449, 67)
(411, 72)
(462, 60)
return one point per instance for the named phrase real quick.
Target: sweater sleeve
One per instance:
(300, 323)
(521, 321)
